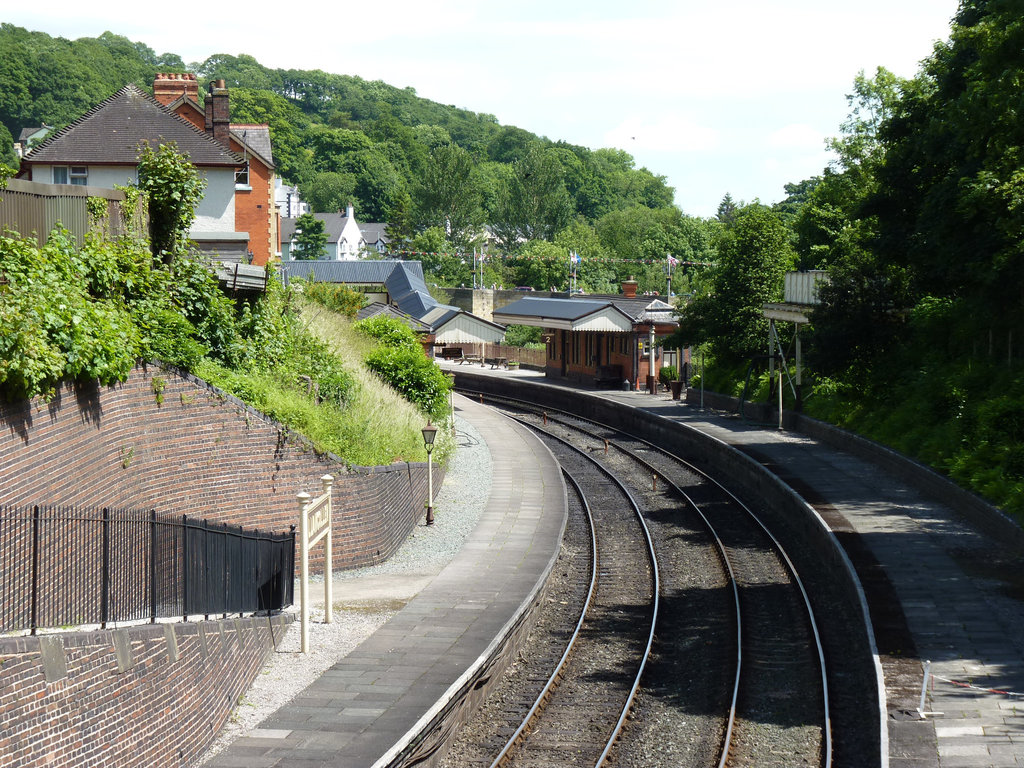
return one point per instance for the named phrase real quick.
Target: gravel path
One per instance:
(366, 598)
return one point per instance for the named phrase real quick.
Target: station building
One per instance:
(603, 340)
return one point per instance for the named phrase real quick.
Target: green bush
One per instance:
(389, 332)
(416, 377)
(666, 374)
(337, 298)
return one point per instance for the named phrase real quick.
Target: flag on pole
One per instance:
(672, 261)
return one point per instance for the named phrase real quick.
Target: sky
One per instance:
(735, 96)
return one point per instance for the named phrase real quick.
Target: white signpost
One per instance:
(314, 524)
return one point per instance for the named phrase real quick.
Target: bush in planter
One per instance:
(666, 374)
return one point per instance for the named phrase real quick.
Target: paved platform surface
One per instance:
(968, 623)
(373, 699)
(969, 626)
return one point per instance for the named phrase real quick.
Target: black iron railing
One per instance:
(63, 566)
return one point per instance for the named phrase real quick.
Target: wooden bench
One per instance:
(471, 359)
(498, 362)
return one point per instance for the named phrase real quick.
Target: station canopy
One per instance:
(566, 314)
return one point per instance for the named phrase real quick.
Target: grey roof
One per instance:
(374, 232)
(403, 280)
(640, 308)
(334, 224)
(560, 309)
(362, 271)
(375, 308)
(110, 134)
(256, 139)
(27, 133)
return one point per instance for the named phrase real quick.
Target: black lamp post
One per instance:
(429, 433)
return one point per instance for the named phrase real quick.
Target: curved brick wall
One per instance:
(201, 453)
(156, 695)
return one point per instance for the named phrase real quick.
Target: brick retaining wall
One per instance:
(201, 453)
(148, 696)
(156, 695)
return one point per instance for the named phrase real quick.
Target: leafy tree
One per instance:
(329, 192)
(532, 201)
(310, 238)
(542, 265)
(753, 255)
(447, 195)
(439, 259)
(949, 201)
(174, 188)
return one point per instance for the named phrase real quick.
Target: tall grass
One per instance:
(378, 425)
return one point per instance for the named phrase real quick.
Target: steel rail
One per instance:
(570, 645)
(655, 594)
(788, 563)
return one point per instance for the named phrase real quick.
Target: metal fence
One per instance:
(64, 567)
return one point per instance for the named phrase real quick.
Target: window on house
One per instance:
(60, 175)
(79, 175)
(242, 176)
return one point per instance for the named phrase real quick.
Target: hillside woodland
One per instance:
(919, 221)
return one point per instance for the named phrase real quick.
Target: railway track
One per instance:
(738, 681)
(583, 706)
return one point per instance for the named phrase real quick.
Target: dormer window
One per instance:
(242, 176)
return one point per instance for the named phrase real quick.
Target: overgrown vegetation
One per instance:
(92, 313)
(400, 361)
(919, 223)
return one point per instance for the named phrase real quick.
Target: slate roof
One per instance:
(334, 225)
(110, 134)
(403, 280)
(363, 271)
(255, 138)
(558, 309)
(375, 232)
(375, 308)
(640, 309)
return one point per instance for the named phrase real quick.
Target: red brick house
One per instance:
(255, 210)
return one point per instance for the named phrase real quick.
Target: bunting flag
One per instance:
(579, 259)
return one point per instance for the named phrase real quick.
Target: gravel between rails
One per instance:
(366, 598)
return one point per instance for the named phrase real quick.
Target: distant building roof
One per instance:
(361, 272)
(407, 289)
(375, 308)
(593, 313)
(374, 232)
(111, 132)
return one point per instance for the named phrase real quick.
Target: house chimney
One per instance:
(350, 212)
(218, 117)
(629, 288)
(168, 87)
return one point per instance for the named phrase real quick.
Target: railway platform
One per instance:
(942, 593)
(375, 704)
